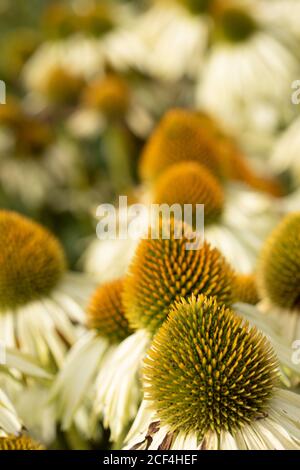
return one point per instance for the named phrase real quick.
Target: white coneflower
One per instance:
(56, 72)
(161, 272)
(33, 160)
(41, 305)
(211, 383)
(86, 373)
(175, 36)
(279, 277)
(237, 219)
(24, 140)
(187, 160)
(245, 47)
(109, 23)
(112, 100)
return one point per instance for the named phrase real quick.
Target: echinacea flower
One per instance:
(187, 135)
(277, 280)
(190, 183)
(179, 136)
(229, 213)
(34, 161)
(279, 276)
(175, 35)
(86, 371)
(223, 182)
(161, 273)
(246, 46)
(41, 305)
(82, 54)
(210, 382)
(110, 95)
(57, 72)
(62, 20)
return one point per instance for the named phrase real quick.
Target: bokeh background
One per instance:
(88, 80)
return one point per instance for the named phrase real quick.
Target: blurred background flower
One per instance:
(162, 101)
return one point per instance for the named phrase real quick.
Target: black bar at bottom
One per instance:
(136, 459)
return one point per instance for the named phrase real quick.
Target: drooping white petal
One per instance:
(118, 388)
(9, 422)
(76, 376)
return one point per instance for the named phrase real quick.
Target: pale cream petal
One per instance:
(7, 329)
(144, 417)
(25, 364)
(231, 246)
(61, 321)
(279, 436)
(118, 385)
(9, 423)
(227, 441)
(183, 441)
(281, 345)
(158, 438)
(76, 376)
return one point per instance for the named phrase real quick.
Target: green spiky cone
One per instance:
(207, 370)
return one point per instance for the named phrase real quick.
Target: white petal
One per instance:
(74, 379)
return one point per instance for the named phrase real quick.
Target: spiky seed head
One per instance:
(207, 370)
(106, 312)
(19, 443)
(246, 289)
(190, 183)
(179, 137)
(164, 270)
(279, 264)
(110, 95)
(62, 86)
(32, 261)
